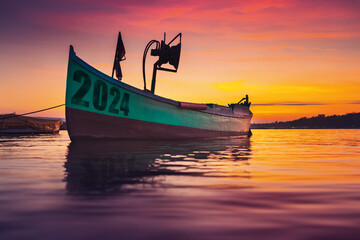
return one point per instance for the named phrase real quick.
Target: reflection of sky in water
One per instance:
(283, 184)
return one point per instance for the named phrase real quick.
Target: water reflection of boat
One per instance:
(103, 167)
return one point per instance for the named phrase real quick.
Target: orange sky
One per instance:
(294, 58)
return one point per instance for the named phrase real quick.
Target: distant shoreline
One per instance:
(300, 128)
(347, 121)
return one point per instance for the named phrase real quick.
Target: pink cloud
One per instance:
(251, 19)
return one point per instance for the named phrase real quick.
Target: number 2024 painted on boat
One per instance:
(100, 94)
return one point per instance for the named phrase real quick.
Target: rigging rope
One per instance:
(42, 110)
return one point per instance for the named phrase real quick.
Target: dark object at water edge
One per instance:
(15, 124)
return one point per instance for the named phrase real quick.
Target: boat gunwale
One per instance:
(73, 56)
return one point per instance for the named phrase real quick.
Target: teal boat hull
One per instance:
(98, 106)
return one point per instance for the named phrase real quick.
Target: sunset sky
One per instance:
(293, 58)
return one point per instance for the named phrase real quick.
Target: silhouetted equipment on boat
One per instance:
(119, 56)
(246, 102)
(166, 54)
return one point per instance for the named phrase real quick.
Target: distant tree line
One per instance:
(350, 120)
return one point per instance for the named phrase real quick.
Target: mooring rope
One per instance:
(42, 110)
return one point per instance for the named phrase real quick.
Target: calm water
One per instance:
(280, 184)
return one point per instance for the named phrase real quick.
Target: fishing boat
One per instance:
(101, 107)
(18, 124)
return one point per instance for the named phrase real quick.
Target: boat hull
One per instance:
(98, 106)
(88, 125)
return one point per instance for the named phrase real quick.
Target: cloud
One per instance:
(230, 86)
(211, 51)
(298, 48)
(292, 104)
(255, 20)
